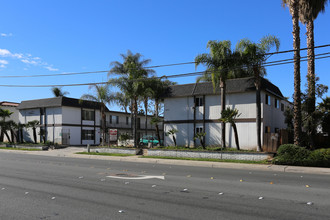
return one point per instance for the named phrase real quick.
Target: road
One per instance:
(42, 187)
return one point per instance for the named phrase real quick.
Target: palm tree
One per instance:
(308, 12)
(172, 132)
(102, 96)
(221, 64)
(254, 55)
(4, 113)
(158, 88)
(132, 73)
(229, 116)
(57, 91)
(201, 137)
(33, 124)
(122, 100)
(293, 6)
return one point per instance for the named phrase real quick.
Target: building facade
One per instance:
(193, 108)
(69, 121)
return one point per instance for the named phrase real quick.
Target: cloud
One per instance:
(6, 35)
(51, 68)
(4, 53)
(3, 63)
(25, 58)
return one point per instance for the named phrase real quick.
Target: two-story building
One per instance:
(196, 107)
(69, 121)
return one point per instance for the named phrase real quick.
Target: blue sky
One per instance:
(46, 37)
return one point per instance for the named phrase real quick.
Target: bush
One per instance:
(290, 154)
(320, 158)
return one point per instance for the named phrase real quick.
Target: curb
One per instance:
(223, 165)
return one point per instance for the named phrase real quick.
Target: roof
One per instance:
(232, 86)
(10, 104)
(58, 102)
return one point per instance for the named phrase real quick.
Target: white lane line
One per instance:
(137, 177)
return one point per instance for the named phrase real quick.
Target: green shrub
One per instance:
(319, 158)
(290, 154)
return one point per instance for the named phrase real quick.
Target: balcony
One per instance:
(128, 126)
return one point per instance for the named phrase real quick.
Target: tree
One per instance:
(158, 88)
(324, 107)
(5, 113)
(308, 12)
(172, 132)
(57, 92)
(122, 100)
(102, 95)
(33, 124)
(229, 116)
(221, 64)
(293, 6)
(254, 55)
(201, 136)
(132, 72)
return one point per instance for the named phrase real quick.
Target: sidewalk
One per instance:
(71, 152)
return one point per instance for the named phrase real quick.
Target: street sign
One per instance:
(113, 134)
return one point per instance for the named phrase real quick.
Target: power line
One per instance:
(149, 67)
(161, 77)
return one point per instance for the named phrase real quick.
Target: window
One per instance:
(88, 115)
(117, 119)
(199, 101)
(267, 100)
(199, 130)
(88, 134)
(110, 119)
(267, 129)
(277, 103)
(138, 122)
(282, 107)
(277, 130)
(127, 120)
(42, 111)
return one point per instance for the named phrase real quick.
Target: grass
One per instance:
(27, 149)
(105, 154)
(211, 160)
(208, 148)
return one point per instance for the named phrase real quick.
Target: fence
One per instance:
(273, 140)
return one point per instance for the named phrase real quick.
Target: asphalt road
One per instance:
(42, 187)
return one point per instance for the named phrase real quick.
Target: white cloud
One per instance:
(4, 52)
(27, 59)
(51, 68)
(3, 62)
(6, 35)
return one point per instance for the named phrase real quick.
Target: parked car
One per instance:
(149, 139)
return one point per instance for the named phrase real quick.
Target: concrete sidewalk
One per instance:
(71, 152)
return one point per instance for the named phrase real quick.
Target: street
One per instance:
(43, 187)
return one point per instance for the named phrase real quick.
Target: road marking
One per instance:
(137, 177)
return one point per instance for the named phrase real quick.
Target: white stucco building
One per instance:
(191, 108)
(67, 121)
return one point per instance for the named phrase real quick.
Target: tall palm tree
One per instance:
(57, 92)
(158, 88)
(221, 64)
(122, 100)
(132, 73)
(293, 6)
(102, 95)
(254, 55)
(308, 12)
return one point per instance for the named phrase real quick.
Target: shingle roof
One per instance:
(58, 102)
(232, 86)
